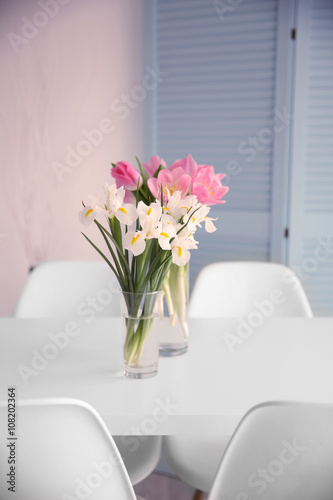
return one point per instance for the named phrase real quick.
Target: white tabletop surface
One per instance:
(208, 389)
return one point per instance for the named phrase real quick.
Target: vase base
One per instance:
(140, 373)
(168, 350)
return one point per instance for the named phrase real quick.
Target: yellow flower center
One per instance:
(171, 189)
(165, 235)
(209, 189)
(134, 239)
(89, 212)
(149, 211)
(180, 251)
(123, 210)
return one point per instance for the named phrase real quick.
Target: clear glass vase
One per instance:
(174, 312)
(140, 329)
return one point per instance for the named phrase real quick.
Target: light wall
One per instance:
(59, 79)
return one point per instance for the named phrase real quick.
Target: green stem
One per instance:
(182, 294)
(168, 297)
(132, 349)
(179, 293)
(130, 326)
(147, 324)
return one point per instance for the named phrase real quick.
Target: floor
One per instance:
(162, 487)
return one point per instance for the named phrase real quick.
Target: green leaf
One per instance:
(145, 194)
(179, 230)
(104, 257)
(154, 267)
(115, 260)
(120, 254)
(158, 171)
(162, 195)
(143, 261)
(142, 171)
(116, 232)
(137, 193)
(164, 272)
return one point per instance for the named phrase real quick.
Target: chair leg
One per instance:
(199, 495)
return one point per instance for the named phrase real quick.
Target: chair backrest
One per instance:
(279, 451)
(64, 288)
(239, 288)
(63, 451)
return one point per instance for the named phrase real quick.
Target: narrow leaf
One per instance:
(104, 257)
(142, 171)
(121, 255)
(115, 260)
(158, 171)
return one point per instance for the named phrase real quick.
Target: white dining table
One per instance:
(227, 370)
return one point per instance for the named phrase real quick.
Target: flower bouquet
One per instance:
(152, 216)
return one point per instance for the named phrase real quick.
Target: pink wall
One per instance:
(57, 81)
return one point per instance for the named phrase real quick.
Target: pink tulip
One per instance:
(188, 165)
(126, 175)
(173, 180)
(154, 163)
(207, 186)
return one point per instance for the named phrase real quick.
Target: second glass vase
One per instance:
(173, 312)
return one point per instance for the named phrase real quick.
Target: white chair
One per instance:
(62, 288)
(236, 288)
(195, 459)
(227, 289)
(140, 455)
(279, 451)
(88, 289)
(63, 451)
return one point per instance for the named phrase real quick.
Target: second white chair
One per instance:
(231, 289)
(227, 289)
(279, 451)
